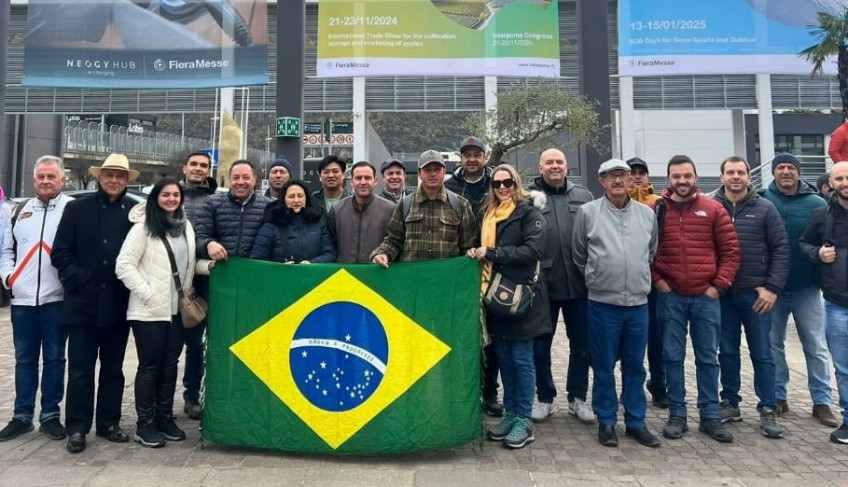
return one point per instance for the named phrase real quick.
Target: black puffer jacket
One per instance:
(307, 235)
(224, 220)
(762, 240)
(834, 277)
(195, 194)
(474, 193)
(519, 244)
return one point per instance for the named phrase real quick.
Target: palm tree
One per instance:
(832, 32)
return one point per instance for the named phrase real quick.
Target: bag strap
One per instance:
(174, 272)
(828, 226)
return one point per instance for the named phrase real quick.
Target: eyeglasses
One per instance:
(619, 175)
(506, 183)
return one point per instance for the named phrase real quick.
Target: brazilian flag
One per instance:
(343, 359)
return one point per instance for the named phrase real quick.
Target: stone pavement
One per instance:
(566, 452)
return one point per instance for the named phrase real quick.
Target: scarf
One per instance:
(176, 226)
(488, 236)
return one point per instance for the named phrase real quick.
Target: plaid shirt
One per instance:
(431, 230)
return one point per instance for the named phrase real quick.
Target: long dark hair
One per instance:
(155, 218)
(277, 213)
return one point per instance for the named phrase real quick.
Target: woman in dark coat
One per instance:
(293, 232)
(513, 239)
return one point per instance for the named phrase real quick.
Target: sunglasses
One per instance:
(506, 183)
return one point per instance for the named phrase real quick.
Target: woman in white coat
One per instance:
(153, 313)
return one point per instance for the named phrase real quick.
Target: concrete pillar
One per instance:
(766, 126)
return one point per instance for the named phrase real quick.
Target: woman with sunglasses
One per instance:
(513, 240)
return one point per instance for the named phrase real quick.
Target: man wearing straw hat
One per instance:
(89, 237)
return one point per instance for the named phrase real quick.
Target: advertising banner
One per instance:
(438, 37)
(670, 37)
(343, 359)
(138, 44)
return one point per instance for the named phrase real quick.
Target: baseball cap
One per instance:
(429, 156)
(472, 142)
(389, 163)
(637, 162)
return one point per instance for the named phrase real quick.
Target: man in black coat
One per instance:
(90, 235)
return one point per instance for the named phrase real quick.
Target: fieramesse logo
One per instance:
(338, 363)
(175, 65)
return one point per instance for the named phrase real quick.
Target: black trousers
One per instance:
(85, 345)
(159, 345)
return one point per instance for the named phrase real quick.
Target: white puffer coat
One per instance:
(145, 269)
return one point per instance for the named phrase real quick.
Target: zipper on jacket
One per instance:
(40, 253)
(241, 228)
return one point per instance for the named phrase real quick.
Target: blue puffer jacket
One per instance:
(796, 210)
(762, 240)
(223, 219)
(308, 236)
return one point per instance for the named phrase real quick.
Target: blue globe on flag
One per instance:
(338, 356)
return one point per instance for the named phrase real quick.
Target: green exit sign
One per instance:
(288, 127)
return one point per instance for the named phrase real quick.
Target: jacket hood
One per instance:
(459, 172)
(721, 196)
(541, 185)
(641, 193)
(208, 187)
(137, 213)
(278, 214)
(667, 192)
(538, 198)
(803, 189)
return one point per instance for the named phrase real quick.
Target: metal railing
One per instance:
(97, 138)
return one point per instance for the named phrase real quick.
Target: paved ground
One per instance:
(566, 452)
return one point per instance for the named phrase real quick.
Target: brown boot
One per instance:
(825, 416)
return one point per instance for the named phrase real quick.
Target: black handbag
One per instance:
(508, 299)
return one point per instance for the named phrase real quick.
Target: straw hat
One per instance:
(118, 162)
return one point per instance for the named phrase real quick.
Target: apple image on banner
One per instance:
(800, 13)
(475, 14)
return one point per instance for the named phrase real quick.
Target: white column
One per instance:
(738, 127)
(627, 118)
(360, 121)
(766, 126)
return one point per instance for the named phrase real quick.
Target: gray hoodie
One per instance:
(614, 248)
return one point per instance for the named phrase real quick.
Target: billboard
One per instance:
(438, 37)
(140, 44)
(670, 37)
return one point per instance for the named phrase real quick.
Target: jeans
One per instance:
(806, 307)
(577, 378)
(618, 331)
(701, 315)
(194, 350)
(656, 384)
(737, 312)
(515, 358)
(836, 331)
(158, 345)
(38, 330)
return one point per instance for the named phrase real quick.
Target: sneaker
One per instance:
(825, 416)
(53, 429)
(493, 408)
(15, 428)
(729, 413)
(581, 410)
(675, 427)
(607, 436)
(541, 411)
(716, 429)
(148, 435)
(840, 435)
(782, 407)
(170, 430)
(768, 422)
(520, 434)
(643, 436)
(502, 429)
(192, 408)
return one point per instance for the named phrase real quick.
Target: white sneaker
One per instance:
(582, 411)
(541, 411)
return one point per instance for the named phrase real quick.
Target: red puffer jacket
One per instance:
(698, 247)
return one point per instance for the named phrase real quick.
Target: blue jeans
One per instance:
(38, 330)
(836, 331)
(618, 331)
(515, 358)
(806, 307)
(702, 316)
(736, 312)
(193, 373)
(577, 377)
